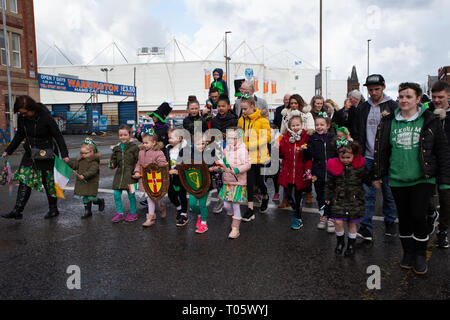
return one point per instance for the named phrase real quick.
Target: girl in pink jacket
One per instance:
(150, 153)
(235, 165)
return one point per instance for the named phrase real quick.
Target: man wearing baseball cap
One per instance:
(368, 118)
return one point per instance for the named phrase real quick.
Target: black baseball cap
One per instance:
(375, 79)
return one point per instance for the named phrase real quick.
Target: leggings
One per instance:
(233, 207)
(412, 207)
(319, 187)
(296, 201)
(178, 198)
(118, 201)
(254, 178)
(152, 205)
(198, 206)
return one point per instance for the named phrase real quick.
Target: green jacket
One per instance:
(90, 169)
(124, 162)
(344, 188)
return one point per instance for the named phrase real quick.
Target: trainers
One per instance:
(219, 207)
(182, 221)
(276, 197)
(431, 222)
(297, 224)
(249, 215)
(365, 233)
(202, 229)
(442, 240)
(264, 205)
(330, 226)
(322, 223)
(117, 218)
(199, 222)
(131, 217)
(391, 229)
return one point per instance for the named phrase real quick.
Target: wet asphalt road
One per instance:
(267, 262)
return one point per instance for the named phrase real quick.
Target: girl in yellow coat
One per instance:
(257, 135)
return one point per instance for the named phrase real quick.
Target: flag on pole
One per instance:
(133, 188)
(207, 79)
(62, 174)
(223, 163)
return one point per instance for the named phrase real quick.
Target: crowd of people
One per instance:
(343, 154)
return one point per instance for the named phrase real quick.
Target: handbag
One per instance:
(38, 154)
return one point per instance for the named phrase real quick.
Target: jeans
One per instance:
(389, 209)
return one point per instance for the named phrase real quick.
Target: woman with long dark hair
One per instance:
(36, 126)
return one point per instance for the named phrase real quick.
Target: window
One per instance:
(13, 6)
(2, 46)
(17, 63)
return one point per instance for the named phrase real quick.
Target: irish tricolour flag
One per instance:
(132, 188)
(223, 163)
(62, 174)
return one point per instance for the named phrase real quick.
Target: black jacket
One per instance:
(358, 119)
(189, 121)
(278, 118)
(230, 120)
(320, 151)
(43, 133)
(434, 149)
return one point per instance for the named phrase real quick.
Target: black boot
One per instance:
(350, 251)
(340, 245)
(87, 210)
(408, 253)
(52, 203)
(420, 260)
(101, 204)
(52, 212)
(23, 194)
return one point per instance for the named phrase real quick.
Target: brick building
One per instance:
(352, 81)
(22, 51)
(444, 74)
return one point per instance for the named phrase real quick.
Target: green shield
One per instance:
(194, 179)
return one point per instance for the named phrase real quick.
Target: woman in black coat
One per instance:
(36, 126)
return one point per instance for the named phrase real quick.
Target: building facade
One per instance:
(444, 74)
(353, 82)
(20, 27)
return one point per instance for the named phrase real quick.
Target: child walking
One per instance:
(344, 192)
(150, 152)
(295, 175)
(256, 128)
(177, 193)
(234, 189)
(87, 168)
(198, 206)
(123, 159)
(320, 150)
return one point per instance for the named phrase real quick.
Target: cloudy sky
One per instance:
(408, 38)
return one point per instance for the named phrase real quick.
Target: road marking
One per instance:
(271, 206)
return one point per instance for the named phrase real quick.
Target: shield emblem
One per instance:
(156, 181)
(194, 178)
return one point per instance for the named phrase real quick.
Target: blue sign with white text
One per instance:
(50, 82)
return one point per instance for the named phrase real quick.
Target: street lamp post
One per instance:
(8, 71)
(106, 70)
(368, 56)
(227, 59)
